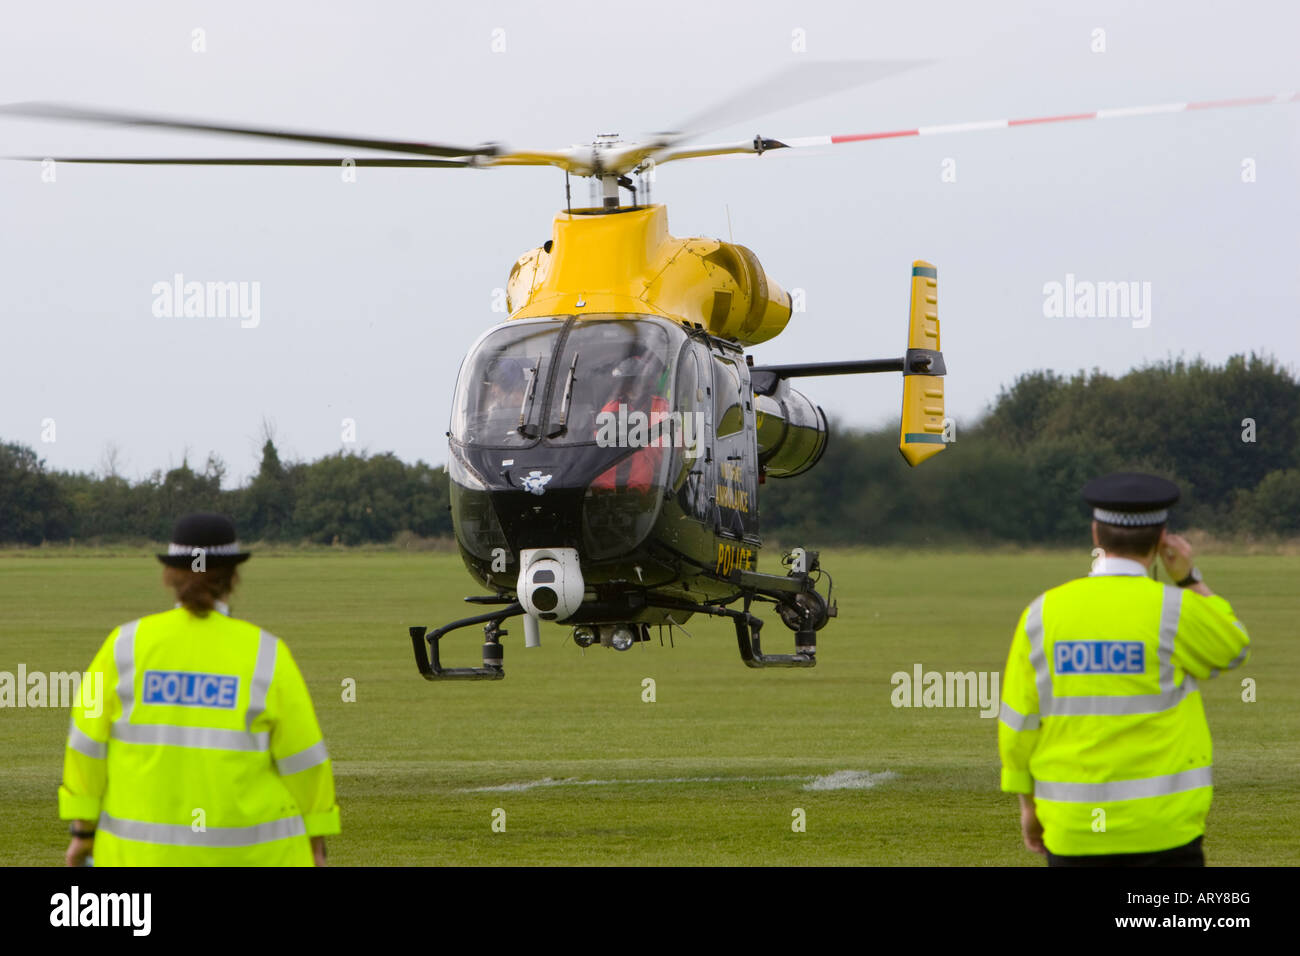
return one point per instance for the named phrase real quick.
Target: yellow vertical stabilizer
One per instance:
(921, 433)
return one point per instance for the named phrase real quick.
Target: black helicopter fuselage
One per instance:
(631, 439)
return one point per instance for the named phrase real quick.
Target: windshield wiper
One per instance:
(527, 403)
(563, 423)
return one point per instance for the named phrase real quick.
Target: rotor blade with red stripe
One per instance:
(760, 145)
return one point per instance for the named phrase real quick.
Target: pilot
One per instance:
(1102, 732)
(203, 748)
(637, 471)
(503, 398)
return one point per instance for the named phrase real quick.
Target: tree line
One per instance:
(1229, 435)
(341, 498)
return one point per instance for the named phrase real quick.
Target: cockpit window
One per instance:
(514, 390)
(609, 369)
(503, 385)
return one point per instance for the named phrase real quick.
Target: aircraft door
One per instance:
(735, 460)
(693, 483)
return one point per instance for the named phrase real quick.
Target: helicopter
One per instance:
(608, 440)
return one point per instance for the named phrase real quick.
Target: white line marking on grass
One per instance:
(516, 787)
(849, 780)
(840, 780)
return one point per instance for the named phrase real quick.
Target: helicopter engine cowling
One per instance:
(792, 432)
(598, 262)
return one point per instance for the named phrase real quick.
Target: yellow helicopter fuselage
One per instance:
(602, 262)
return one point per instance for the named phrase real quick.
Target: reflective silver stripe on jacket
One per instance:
(1236, 661)
(182, 834)
(303, 759)
(1018, 721)
(1049, 705)
(1123, 789)
(263, 671)
(124, 660)
(210, 738)
(1123, 704)
(83, 743)
(1171, 607)
(1037, 657)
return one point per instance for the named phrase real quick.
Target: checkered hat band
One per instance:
(232, 548)
(1131, 518)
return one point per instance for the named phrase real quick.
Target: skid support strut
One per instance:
(747, 636)
(493, 668)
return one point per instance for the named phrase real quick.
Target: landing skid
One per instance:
(747, 636)
(801, 608)
(430, 663)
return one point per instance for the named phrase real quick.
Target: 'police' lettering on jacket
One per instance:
(189, 689)
(1100, 657)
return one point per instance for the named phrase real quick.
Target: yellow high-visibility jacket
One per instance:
(1101, 718)
(204, 751)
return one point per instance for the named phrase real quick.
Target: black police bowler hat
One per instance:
(1131, 498)
(214, 533)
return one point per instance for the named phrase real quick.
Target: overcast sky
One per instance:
(372, 291)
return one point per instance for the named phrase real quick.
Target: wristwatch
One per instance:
(1193, 577)
(80, 834)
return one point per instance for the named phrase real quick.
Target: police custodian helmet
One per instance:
(213, 533)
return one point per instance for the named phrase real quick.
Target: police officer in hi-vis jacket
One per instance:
(1102, 731)
(206, 750)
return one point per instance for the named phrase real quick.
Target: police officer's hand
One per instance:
(318, 850)
(78, 850)
(1176, 554)
(1030, 828)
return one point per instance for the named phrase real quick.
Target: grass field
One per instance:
(709, 773)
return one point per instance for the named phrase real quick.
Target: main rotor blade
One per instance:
(60, 111)
(254, 161)
(791, 87)
(759, 146)
(572, 160)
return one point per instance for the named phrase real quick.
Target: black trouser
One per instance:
(1189, 854)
